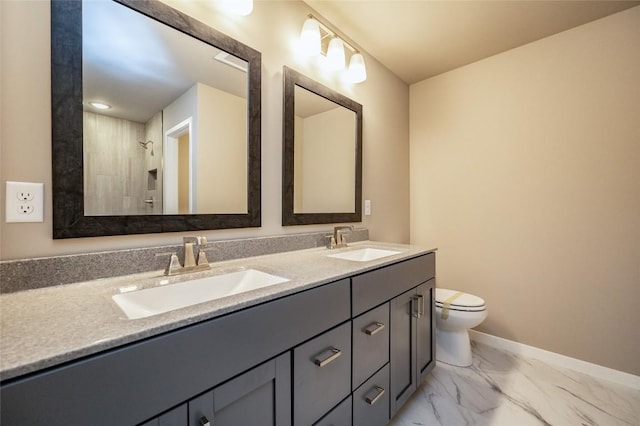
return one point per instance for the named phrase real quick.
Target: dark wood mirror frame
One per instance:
(292, 79)
(69, 220)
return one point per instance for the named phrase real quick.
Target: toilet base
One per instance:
(453, 347)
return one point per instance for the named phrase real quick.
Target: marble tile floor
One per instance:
(505, 389)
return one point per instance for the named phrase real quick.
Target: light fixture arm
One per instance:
(317, 38)
(328, 33)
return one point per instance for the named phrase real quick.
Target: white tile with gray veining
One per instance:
(502, 388)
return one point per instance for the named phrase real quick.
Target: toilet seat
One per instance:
(464, 302)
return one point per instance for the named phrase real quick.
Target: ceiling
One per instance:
(422, 38)
(140, 66)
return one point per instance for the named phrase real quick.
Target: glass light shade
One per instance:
(335, 54)
(238, 7)
(310, 37)
(357, 69)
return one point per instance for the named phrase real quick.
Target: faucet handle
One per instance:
(174, 265)
(202, 258)
(332, 241)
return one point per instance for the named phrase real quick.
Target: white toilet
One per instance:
(456, 313)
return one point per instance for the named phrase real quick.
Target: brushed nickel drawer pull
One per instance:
(374, 328)
(415, 306)
(378, 395)
(420, 305)
(325, 358)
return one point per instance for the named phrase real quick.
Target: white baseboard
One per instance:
(605, 373)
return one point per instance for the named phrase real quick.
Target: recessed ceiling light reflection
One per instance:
(99, 105)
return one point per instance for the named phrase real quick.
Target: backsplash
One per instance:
(28, 274)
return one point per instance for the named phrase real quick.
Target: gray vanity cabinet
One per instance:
(261, 396)
(131, 384)
(350, 352)
(412, 341)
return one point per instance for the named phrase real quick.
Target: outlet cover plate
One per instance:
(24, 202)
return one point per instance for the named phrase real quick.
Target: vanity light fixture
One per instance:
(316, 38)
(310, 39)
(335, 54)
(100, 105)
(357, 71)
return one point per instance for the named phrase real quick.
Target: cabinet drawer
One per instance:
(370, 343)
(371, 400)
(321, 374)
(373, 288)
(339, 416)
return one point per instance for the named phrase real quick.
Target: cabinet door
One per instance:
(403, 349)
(412, 341)
(425, 329)
(174, 417)
(261, 396)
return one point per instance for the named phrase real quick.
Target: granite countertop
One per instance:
(49, 326)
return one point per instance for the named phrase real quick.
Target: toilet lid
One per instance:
(463, 301)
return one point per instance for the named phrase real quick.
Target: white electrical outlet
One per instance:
(24, 202)
(367, 207)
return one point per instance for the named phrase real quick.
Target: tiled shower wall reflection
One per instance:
(118, 170)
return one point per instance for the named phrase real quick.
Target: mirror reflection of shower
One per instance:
(144, 145)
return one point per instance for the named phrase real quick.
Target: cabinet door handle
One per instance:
(327, 356)
(378, 394)
(415, 306)
(374, 328)
(420, 305)
(203, 421)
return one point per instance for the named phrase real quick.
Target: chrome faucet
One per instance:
(195, 258)
(337, 240)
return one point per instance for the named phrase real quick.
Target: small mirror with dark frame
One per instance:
(322, 154)
(74, 182)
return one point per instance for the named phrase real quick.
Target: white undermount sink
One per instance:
(156, 300)
(364, 254)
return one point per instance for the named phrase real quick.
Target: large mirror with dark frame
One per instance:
(155, 120)
(322, 154)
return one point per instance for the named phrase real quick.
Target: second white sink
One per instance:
(364, 254)
(156, 300)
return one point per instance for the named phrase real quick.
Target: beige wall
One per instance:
(525, 172)
(328, 162)
(271, 29)
(222, 151)
(183, 174)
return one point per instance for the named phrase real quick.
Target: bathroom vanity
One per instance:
(341, 342)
